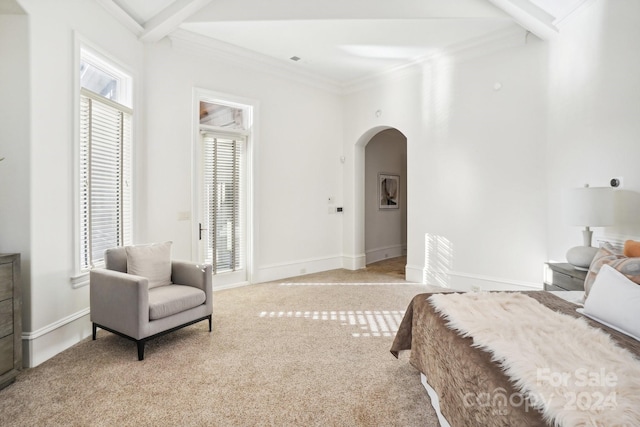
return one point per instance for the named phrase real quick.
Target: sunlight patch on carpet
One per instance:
(371, 323)
(348, 284)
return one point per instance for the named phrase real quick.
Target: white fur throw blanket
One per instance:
(572, 373)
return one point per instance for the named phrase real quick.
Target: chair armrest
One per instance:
(119, 301)
(194, 274)
(191, 274)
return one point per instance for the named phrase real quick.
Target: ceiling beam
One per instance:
(529, 16)
(122, 16)
(170, 18)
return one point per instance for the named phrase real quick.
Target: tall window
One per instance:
(105, 158)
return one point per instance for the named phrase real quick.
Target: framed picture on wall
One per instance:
(388, 191)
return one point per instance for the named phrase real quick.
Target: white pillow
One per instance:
(150, 261)
(614, 301)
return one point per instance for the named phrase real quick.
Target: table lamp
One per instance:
(588, 207)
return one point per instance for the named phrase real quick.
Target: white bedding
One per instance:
(435, 401)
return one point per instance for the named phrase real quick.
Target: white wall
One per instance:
(296, 160)
(476, 161)
(485, 168)
(385, 230)
(56, 315)
(297, 163)
(15, 220)
(594, 110)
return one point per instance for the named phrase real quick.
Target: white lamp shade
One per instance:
(590, 206)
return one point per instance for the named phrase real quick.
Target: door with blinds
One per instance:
(222, 222)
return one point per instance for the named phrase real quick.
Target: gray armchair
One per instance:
(126, 305)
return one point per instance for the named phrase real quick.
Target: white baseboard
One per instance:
(230, 286)
(40, 345)
(470, 282)
(474, 282)
(379, 254)
(414, 273)
(273, 272)
(354, 262)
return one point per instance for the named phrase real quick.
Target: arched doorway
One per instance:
(385, 195)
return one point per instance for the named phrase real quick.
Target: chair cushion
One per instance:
(168, 300)
(151, 261)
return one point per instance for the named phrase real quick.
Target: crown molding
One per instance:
(457, 53)
(210, 48)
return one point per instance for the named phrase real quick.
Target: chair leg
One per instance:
(140, 350)
(94, 331)
(210, 321)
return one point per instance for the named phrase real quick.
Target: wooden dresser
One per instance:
(10, 319)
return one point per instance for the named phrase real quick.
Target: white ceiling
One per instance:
(342, 40)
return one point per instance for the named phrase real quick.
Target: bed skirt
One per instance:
(473, 389)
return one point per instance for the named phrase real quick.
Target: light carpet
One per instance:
(286, 355)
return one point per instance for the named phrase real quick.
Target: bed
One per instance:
(473, 386)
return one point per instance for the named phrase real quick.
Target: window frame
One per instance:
(251, 132)
(79, 276)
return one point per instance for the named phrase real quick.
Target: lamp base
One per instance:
(580, 257)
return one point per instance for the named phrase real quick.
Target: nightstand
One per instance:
(560, 276)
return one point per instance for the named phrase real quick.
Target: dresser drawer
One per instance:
(567, 282)
(6, 354)
(6, 281)
(6, 318)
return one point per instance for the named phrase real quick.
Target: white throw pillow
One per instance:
(151, 261)
(614, 301)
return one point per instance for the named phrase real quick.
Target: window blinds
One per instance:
(222, 188)
(105, 171)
